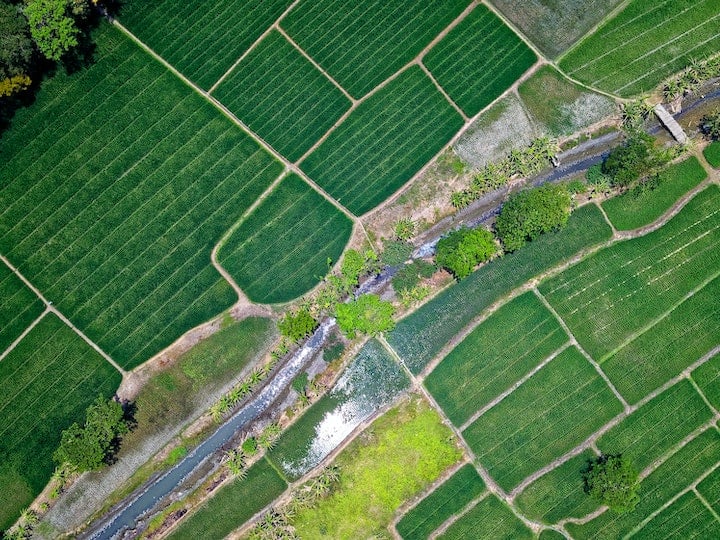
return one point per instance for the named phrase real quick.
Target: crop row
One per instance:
(687, 517)
(282, 97)
(19, 307)
(707, 377)
(489, 519)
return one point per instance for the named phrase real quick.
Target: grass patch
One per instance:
(383, 142)
(548, 415)
(47, 382)
(360, 44)
(559, 106)
(632, 211)
(687, 517)
(644, 44)
(615, 293)
(393, 460)
(282, 97)
(118, 198)
(558, 494)
(199, 39)
(478, 60)
(555, 26)
(675, 474)
(421, 335)
(498, 353)
(445, 501)
(665, 350)
(712, 154)
(489, 519)
(707, 378)
(233, 504)
(18, 309)
(372, 380)
(281, 250)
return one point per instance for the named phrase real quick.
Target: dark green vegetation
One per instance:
(611, 480)
(644, 44)
(555, 26)
(409, 275)
(463, 249)
(372, 381)
(478, 60)
(639, 207)
(233, 504)
(48, 380)
(384, 141)
(709, 488)
(445, 501)
(19, 307)
(281, 249)
(687, 517)
(117, 200)
(367, 315)
(200, 40)
(282, 97)
(489, 519)
(707, 378)
(492, 358)
(611, 296)
(421, 335)
(552, 412)
(712, 154)
(296, 325)
(360, 44)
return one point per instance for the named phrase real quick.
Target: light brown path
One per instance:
(24, 333)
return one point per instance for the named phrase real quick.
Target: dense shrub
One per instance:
(409, 276)
(463, 249)
(366, 315)
(612, 480)
(297, 325)
(396, 252)
(627, 163)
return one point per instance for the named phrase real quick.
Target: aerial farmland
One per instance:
(257, 282)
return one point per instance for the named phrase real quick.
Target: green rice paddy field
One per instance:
(19, 307)
(487, 520)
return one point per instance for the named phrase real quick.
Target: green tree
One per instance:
(352, 267)
(710, 124)
(612, 480)
(463, 249)
(16, 47)
(52, 26)
(297, 325)
(532, 212)
(627, 163)
(366, 315)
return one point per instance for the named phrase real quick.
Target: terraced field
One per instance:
(281, 249)
(19, 307)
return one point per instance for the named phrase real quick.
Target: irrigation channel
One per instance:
(122, 520)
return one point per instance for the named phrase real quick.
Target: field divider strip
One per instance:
(250, 49)
(517, 384)
(607, 219)
(574, 342)
(707, 505)
(443, 92)
(24, 333)
(702, 395)
(507, 22)
(63, 318)
(449, 522)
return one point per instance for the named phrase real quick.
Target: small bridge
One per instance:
(671, 124)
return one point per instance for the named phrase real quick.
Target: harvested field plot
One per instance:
(644, 44)
(555, 26)
(281, 249)
(494, 356)
(47, 382)
(707, 378)
(383, 142)
(421, 335)
(687, 517)
(712, 154)
(632, 211)
(18, 309)
(548, 415)
(282, 97)
(447, 500)
(558, 494)
(490, 519)
(672, 476)
(201, 39)
(360, 44)
(233, 504)
(117, 202)
(478, 60)
(661, 353)
(609, 297)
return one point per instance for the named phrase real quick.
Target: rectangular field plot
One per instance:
(687, 517)
(548, 415)
(631, 211)
(19, 307)
(644, 44)
(123, 181)
(489, 519)
(684, 336)
(360, 44)
(478, 60)
(46, 383)
(677, 473)
(201, 39)
(281, 249)
(709, 488)
(421, 335)
(383, 142)
(498, 353)
(609, 297)
(447, 500)
(233, 504)
(707, 377)
(282, 97)
(558, 494)
(712, 154)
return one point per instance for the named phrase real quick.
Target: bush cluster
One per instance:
(463, 249)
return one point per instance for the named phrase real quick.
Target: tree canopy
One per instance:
(366, 315)
(16, 46)
(53, 26)
(297, 325)
(612, 480)
(463, 249)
